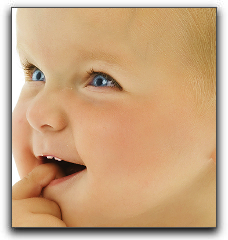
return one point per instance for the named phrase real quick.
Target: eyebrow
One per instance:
(27, 62)
(117, 59)
(101, 55)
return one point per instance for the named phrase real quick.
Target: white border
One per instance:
(221, 232)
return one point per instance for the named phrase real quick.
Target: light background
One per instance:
(17, 81)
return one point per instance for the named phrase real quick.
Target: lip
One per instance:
(67, 178)
(65, 158)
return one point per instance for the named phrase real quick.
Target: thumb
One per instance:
(35, 181)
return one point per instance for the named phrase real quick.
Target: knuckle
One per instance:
(29, 178)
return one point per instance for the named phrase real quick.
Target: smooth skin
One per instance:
(29, 208)
(147, 149)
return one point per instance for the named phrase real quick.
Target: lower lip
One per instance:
(63, 179)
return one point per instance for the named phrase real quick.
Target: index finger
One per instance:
(35, 181)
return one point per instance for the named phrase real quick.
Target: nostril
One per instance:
(53, 120)
(45, 112)
(46, 127)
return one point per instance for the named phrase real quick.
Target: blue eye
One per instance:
(102, 81)
(38, 75)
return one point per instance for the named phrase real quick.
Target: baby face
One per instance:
(106, 88)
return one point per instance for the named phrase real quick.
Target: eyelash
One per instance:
(93, 74)
(29, 69)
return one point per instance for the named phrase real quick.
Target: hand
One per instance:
(29, 209)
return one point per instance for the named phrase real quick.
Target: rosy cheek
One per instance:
(123, 138)
(114, 138)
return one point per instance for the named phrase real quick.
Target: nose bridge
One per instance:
(46, 111)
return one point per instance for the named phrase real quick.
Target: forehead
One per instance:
(57, 30)
(115, 33)
(61, 21)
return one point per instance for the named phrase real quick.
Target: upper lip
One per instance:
(54, 148)
(60, 158)
(51, 157)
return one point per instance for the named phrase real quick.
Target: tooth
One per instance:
(58, 159)
(49, 157)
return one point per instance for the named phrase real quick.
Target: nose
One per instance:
(46, 113)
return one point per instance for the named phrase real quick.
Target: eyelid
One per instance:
(29, 68)
(93, 73)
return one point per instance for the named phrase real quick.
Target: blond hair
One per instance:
(199, 26)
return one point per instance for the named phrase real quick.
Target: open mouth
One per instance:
(67, 168)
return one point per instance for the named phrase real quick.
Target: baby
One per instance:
(116, 122)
